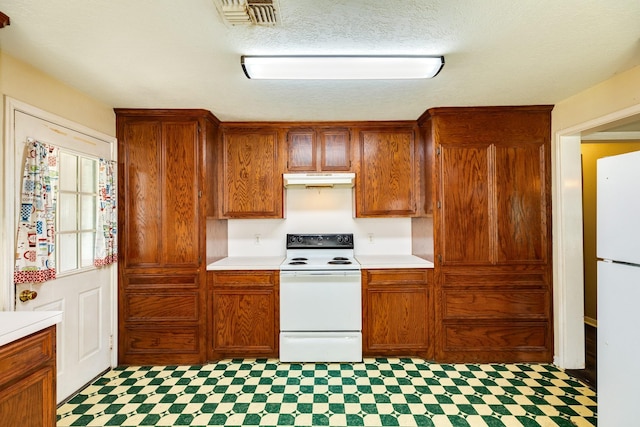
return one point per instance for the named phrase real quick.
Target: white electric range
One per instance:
(320, 300)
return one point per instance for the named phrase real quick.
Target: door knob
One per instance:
(27, 295)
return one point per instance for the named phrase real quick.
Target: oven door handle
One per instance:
(319, 273)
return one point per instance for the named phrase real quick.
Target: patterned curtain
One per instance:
(35, 243)
(106, 250)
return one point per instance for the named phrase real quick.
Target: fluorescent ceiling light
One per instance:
(341, 67)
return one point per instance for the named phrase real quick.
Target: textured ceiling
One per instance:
(180, 54)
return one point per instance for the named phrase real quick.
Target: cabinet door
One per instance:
(302, 150)
(335, 150)
(30, 402)
(251, 176)
(180, 198)
(521, 203)
(160, 193)
(388, 181)
(243, 314)
(140, 207)
(465, 201)
(397, 313)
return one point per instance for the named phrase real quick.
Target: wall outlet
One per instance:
(370, 237)
(257, 240)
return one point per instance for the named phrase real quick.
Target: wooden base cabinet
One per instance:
(243, 314)
(28, 381)
(397, 312)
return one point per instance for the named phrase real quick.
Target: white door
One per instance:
(84, 293)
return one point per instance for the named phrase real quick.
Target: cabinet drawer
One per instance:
(497, 337)
(243, 278)
(164, 281)
(22, 356)
(396, 276)
(162, 340)
(485, 304)
(161, 306)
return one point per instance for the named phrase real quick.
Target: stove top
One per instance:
(320, 252)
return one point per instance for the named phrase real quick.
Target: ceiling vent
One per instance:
(248, 12)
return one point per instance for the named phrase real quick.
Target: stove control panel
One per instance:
(320, 241)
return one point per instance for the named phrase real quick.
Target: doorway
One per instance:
(568, 236)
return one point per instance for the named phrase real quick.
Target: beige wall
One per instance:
(619, 92)
(27, 84)
(591, 152)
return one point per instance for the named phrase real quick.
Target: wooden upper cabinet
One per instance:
(493, 186)
(160, 207)
(318, 150)
(388, 181)
(251, 176)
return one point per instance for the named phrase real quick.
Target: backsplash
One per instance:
(319, 211)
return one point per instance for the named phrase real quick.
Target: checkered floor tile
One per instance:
(377, 392)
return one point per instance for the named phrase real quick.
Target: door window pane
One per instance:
(67, 252)
(86, 251)
(88, 176)
(68, 211)
(68, 179)
(88, 213)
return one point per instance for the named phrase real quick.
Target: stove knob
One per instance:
(339, 239)
(299, 239)
(320, 238)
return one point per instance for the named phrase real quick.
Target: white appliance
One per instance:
(319, 180)
(320, 300)
(618, 251)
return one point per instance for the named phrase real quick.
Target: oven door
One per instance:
(321, 301)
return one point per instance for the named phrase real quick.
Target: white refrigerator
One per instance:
(618, 252)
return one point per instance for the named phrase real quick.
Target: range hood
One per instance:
(317, 180)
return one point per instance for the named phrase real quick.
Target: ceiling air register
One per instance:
(248, 12)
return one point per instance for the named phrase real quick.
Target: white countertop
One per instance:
(273, 262)
(18, 324)
(393, 261)
(247, 263)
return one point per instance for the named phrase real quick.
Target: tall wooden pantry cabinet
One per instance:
(164, 197)
(492, 232)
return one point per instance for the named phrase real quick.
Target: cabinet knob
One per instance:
(27, 295)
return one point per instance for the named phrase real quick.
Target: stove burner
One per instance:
(299, 259)
(339, 261)
(340, 258)
(297, 263)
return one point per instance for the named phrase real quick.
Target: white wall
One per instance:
(319, 211)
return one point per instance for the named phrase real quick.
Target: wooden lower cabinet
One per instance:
(397, 312)
(244, 313)
(162, 319)
(28, 381)
(494, 315)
